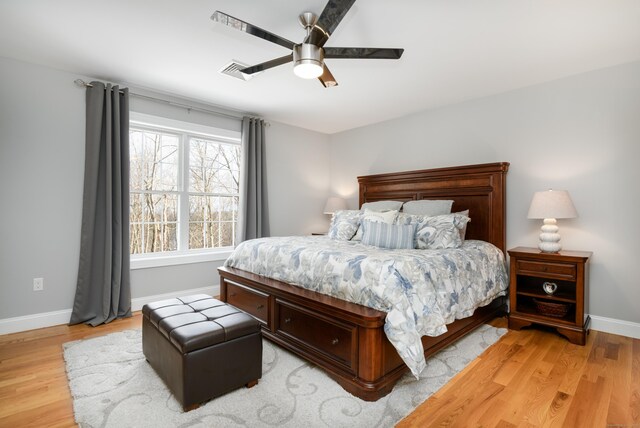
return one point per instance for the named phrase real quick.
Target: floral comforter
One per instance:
(421, 290)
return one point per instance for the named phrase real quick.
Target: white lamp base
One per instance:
(549, 238)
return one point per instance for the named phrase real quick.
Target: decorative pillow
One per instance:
(427, 207)
(463, 231)
(386, 235)
(384, 217)
(440, 232)
(436, 232)
(382, 206)
(344, 224)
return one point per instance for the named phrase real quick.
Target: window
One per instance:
(184, 188)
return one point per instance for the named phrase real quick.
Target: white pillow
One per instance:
(385, 217)
(427, 207)
(382, 206)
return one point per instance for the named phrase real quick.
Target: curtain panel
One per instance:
(103, 290)
(253, 216)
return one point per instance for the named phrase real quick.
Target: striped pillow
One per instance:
(386, 235)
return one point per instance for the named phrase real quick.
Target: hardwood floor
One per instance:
(530, 378)
(535, 378)
(34, 391)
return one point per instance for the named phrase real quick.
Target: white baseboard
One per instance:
(614, 326)
(49, 319)
(31, 322)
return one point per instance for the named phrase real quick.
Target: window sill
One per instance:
(145, 262)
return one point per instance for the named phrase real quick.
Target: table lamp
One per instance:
(335, 204)
(551, 205)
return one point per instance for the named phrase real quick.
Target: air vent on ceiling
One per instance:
(233, 69)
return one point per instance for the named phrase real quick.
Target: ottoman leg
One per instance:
(252, 383)
(190, 407)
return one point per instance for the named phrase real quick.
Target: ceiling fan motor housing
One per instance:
(308, 58)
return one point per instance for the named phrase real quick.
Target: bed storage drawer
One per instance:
(249, 300)
(334, 339)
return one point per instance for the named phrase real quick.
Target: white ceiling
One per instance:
(454, 50)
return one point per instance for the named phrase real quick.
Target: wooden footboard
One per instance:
(345, 339)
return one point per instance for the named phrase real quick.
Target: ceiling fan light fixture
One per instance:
(308, 61)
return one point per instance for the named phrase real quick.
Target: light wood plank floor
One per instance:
(531, 378)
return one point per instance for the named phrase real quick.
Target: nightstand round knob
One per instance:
(287, 320)
(334, 341)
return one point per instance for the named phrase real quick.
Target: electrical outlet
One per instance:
(38, 284)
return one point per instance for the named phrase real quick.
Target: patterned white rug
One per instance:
(113, 386)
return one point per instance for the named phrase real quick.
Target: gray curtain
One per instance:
(253, 221)
(103, 291)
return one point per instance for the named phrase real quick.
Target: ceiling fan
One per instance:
(308, 57)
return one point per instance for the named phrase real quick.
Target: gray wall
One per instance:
(580, 133)
(41, 171)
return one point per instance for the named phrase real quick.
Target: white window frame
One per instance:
(186, 130)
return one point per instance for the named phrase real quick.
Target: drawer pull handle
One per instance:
(287, 320)
(232, 294)
(550, 288)
(335, 341)
(260, 307)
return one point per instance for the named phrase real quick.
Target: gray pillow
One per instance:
(427, 207)
(382, 206)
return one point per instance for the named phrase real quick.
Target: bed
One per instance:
(346, 339)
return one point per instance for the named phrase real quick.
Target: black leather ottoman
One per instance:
(201, 347)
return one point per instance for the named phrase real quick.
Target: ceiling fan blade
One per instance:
(331, 16)
(372, 53)
(333, 13)
(327, 79)
(238, 24)
(268, 64)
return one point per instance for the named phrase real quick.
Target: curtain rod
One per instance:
(82, 83)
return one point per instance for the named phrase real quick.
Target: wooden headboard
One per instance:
(479, 188)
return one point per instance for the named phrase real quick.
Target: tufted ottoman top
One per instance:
(198, 321)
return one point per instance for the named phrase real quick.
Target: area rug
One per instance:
(113, 386)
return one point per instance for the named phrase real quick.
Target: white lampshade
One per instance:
(335, 204)
(551, 205)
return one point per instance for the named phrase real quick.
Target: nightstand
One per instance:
(550, 289)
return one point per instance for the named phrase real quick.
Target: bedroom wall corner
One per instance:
(297, 180)
(579, 133)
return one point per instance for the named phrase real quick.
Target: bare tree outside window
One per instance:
(214, 171)
(184, 192)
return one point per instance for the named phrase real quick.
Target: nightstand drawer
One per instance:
(546, 269)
